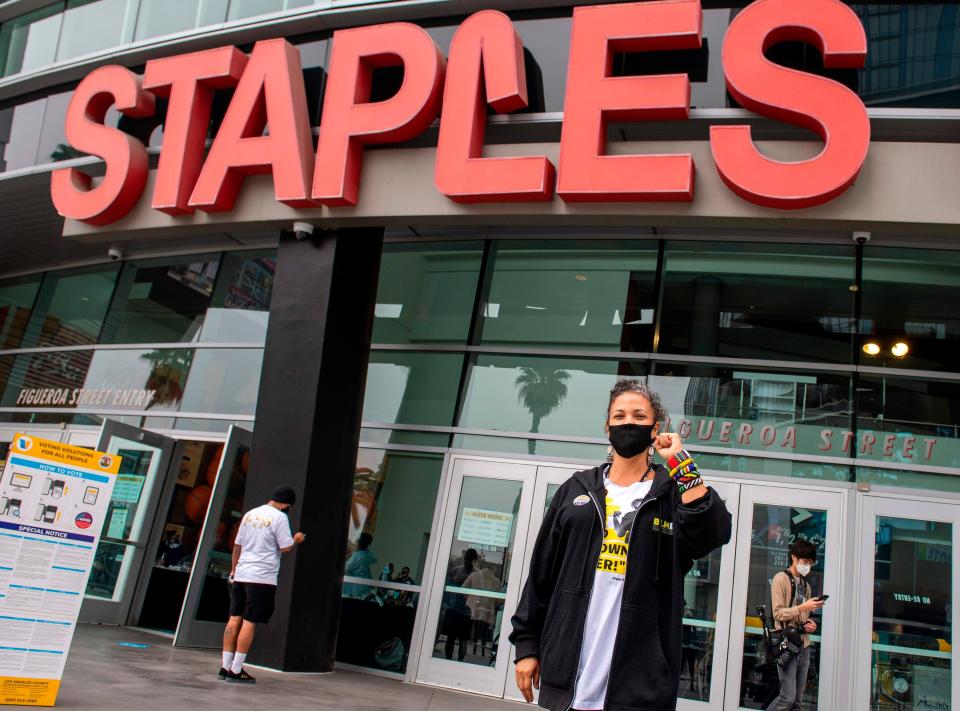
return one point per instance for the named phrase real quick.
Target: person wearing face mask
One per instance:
(792, 605)
(599, 622)
(263, 536)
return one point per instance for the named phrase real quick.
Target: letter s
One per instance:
(124, 155)
(822, 105)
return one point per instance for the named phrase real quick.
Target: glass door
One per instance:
(771, 518)
(548, 481)
(207, 602)
(707, 594)
(910, 577)
(476, 580)
(121, 559)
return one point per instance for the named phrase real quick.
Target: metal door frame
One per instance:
(897, 506)
(191, 632)
(120, 611)
(456, 675)
(834, 501)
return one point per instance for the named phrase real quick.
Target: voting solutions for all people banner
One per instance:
(53, 502)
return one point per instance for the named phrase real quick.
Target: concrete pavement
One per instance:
(102, 675)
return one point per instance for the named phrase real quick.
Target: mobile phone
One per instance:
(822, 598)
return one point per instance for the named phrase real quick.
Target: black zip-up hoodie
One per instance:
(667, 536)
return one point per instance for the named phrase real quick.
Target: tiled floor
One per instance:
(102, 675)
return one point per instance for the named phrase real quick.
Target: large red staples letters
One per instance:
(485, 65)
(189, 81)
(595, 97)
(124, 156)
(270, 91)
(351, 120)
(486, 68)
(830, 109)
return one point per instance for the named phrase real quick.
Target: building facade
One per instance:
(426, 371)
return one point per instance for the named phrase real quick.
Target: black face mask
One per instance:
(630, 440)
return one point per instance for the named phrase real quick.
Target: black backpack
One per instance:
(786, 642)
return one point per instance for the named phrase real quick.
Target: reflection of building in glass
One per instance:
(253, 284)
(913, 55)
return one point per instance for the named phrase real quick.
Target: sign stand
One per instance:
(53, 503)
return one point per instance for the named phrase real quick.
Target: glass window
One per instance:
(426, 292)
(558, 396)
(911, 652)
(782, 302)
(313, 60)
(53, 144)
(16, 301)
(240, 306)
(772, 412)
(394, 496)
(908, 479)
(70, 307)
(20, 134)
(909, 421)
(45, 379)
(30, 41)
(251, 8)
(223, 381)
(412, 388)
(163, 17)
(701, 592)
(572, 294)
(913, 55)
(159, 301)
(477, 567)
(774, 529)
(90, 26)
(909, 296)
(136, 379)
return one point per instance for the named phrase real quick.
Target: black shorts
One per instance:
(252, 601)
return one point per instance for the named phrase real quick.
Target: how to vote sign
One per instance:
(53, 503)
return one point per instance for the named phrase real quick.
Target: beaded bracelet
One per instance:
(683, 470)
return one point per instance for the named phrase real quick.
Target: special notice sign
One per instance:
(53, 502)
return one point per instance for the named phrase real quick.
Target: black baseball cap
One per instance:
(284, 495)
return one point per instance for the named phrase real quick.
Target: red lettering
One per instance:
(888, 442)
(822, 105)
(768, 435)
(485, 65)
(351, 120)
(701, 435)
(789, 438)
(928, 445)
(908, 444)
(189, 80)
(847, 440)
(594, 98)
(685, 429)
(725, 431)
(866, 443)
(270, 93)
(743, 434)
(826, 440)
(72, 190)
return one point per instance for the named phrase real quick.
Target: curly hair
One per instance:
(627, 385)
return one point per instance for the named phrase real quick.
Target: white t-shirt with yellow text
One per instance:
(603, 614)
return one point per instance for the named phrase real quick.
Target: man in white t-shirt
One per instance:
(264, 534)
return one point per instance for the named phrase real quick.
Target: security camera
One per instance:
(114, 254)
(302, 230)
(861, 238)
